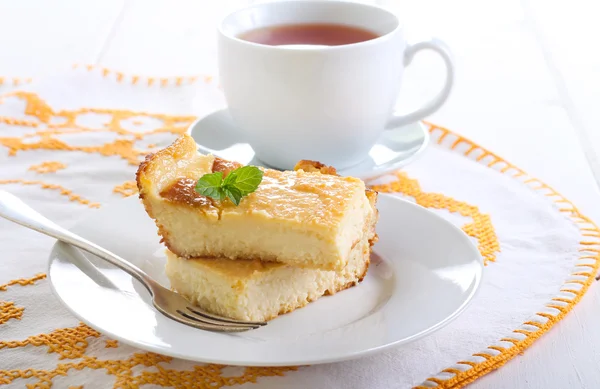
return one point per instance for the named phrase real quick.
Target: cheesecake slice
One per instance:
(299, 218)
(250, 289)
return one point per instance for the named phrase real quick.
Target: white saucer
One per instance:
(217, 134)
(412, 288)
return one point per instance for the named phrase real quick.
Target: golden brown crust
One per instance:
(372, 196)
(373, 240)
(224, 166)
(179, 148)
(314, 167)
(183, 191)
(140, 175)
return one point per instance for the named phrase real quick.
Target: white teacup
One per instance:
(323, 103)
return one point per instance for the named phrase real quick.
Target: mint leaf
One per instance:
(246, 179)
(209, 185)
(230, 179)
(238, 183)
(233, 194)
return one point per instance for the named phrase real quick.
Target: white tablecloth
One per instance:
(71, 144)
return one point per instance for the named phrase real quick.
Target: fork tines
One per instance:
(209, 321)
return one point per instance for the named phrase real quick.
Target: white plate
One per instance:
(217, 134)
(423, 275)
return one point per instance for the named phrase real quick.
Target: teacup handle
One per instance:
(434, 104)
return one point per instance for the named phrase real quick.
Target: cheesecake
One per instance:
(309, 217)
(249, 289)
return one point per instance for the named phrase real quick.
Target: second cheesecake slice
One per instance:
(301, 218)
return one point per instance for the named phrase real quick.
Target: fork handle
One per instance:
(15, 210)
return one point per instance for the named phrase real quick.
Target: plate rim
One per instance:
(347, 356)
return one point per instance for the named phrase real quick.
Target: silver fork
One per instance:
(169, 303)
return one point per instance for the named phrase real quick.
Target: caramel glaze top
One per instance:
(296, 195)
(224, 166)
(182, 190)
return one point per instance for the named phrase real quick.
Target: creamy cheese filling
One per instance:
(251, 290)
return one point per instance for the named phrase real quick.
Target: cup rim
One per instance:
(370, 42)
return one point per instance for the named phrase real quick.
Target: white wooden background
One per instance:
(527, 87)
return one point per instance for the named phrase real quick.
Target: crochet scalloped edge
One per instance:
(122, 77)
(577, 283)
(136, 79)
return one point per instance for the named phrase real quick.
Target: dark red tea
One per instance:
(308, 34)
